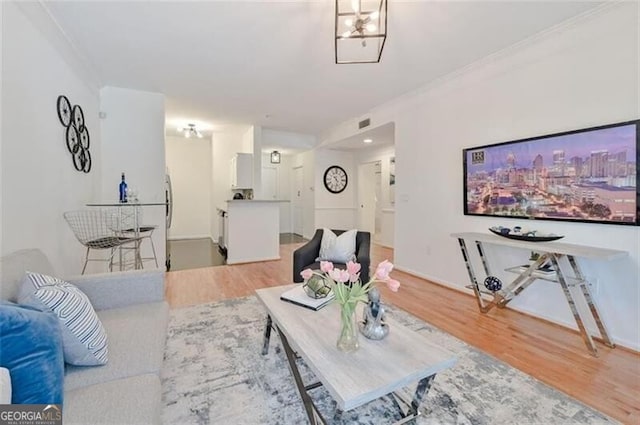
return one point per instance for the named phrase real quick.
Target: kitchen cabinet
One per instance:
(242, 171)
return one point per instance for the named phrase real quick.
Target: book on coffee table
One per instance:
(298, 296)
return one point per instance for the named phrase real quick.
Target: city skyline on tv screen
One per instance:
(588, 175)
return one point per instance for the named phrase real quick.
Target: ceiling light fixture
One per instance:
(190, 130)
(275, 157)
(361, 30)
(368, 140)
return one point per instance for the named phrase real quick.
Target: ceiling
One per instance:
(271, 63)
(380, 137)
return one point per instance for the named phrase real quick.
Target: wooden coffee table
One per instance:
(376, 369)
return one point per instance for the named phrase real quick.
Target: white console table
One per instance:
(554, 252)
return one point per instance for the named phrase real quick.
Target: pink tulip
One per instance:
(306, 274)
(344, 276)
(393, 284)
(326, 266)
(383, 270)
(353, 269)
(338, 275)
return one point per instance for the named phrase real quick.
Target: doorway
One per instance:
(297, 200)
(379, 202)
(270, 182)
(367, 197)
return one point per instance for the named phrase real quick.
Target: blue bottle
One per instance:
(123, 190)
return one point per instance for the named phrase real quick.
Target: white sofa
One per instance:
(135, 315)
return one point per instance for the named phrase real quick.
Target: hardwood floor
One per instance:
(550, 353)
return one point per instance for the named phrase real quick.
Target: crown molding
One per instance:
(473, 67)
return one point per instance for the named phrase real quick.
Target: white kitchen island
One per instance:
(253, 230)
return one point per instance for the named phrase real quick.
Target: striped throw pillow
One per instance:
(84, 340)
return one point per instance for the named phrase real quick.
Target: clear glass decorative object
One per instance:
(348, 339)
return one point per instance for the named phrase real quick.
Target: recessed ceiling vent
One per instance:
(364, 123)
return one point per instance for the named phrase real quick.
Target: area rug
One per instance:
(213, 373)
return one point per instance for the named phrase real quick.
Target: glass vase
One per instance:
(348, 339)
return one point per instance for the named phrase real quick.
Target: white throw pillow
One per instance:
(84, 340)
(338, 249)
(5, 386)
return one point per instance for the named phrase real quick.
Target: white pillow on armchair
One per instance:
(338, 249)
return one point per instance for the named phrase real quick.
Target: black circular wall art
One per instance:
(72, 139)
(64, 111)
(78, 117)
(76, 133)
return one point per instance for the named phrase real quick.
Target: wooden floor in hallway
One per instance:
(552, 354)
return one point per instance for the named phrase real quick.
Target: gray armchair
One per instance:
(305, 256)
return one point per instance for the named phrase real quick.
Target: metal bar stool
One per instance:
(94, 229)
(130, 227)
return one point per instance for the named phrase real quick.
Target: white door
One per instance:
(270, 183)
(378, 184)
(367, 197)
(297, 200)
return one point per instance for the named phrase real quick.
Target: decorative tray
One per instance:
(519, 235)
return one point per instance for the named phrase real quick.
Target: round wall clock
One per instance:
(335, 179)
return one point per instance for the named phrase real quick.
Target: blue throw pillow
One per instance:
(31, 348)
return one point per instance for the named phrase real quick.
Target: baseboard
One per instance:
(435, 280)
(250, 260)
(623, 343)
(384, 245)
(177, 238)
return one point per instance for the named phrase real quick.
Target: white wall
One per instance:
(335, 211)
(257, 162)
(133, 143)
(580, 75)
(39, 181)
(224, 145)
(189, 162)
(388, 228)
(246, 143)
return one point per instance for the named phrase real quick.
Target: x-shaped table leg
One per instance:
(312, 413)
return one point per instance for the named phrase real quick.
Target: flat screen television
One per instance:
(587, 175)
